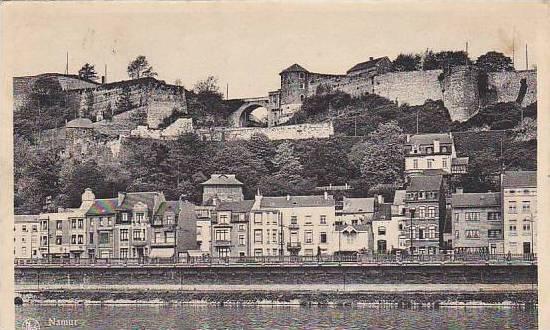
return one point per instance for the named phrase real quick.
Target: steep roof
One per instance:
(187, 214)
(80, 123)
(297, 201)
(132, 198)
(103, 206)
(357, 205)
(430, 138)
(383, 213)
(294, 68)
(223, 179)
(399, 197)
(476, 200)
(168, 206)
(19, 218)
(241, 206)
(367, 64)
(519, 179)
(460, 161)
(350, 228)
(425, 183)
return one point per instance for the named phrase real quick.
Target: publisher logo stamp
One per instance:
(30, 324)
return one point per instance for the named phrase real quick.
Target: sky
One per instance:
(246, 45)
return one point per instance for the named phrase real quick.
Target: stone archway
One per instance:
(241, 117)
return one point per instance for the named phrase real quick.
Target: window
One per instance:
(274, 236)
(431, 212)
(34, 228)
(169, 219)
(124, 217)
(415, 164)
(23, 250)
(23, 228)
(421, 233)
(472, 216)
(457, 217)
(444, 163)
(457, 234)
(80, 223)
(58, 240)
(323, 220)
(103, 238)
(258, 236)
(44, 225)
(513, 229)
(169, 237)
(124, 234)
(158, 237)
(258, 252)
(421, 212)
(308, 220)
(421, 195)
(241, 228)
(199, 230)
(526, 207)
(257, 218)
(308, 236)
(140, 218)
(302, 75)
(493, 215)
(44, 240)
(223, 252)
(80, 239)
(59, 224)
(223, 218)
(429, 150)
(73, 223)
(222, 235)
(91, 236)
(242, 240)
(400, 226)
(526, 225)
(73, 239)
(323, 237)
(381, 230)
(472, 233)
(124, 253)
(512, 207)
(293, 220)
(443, 149)
(430, 163)
(494, 233)
(308, 252)
(139, 235)
(432, 232)
(267, 236)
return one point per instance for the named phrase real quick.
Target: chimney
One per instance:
(459, 190)
(380, 199)
(326, 195)
(102, 80)
(408, 138)
(287, 197)
(121, 196)
(436, 146)
(371, 58)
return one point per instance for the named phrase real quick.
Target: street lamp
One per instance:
(411, 228)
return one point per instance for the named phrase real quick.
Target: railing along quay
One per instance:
(331, 260)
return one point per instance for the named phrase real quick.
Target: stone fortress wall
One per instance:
(287, 132)
(458, 88)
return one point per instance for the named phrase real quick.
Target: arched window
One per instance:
(302, 97)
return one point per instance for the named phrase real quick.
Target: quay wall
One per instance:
(314, 274)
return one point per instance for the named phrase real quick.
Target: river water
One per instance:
(273, 317)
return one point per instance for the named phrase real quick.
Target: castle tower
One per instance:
(294, 84)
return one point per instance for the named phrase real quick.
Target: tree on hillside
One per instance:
(406, 62)
(444, 59)
(140, 68)
(494, 61)
(383, 158)
(87, 72)
(207, 86)
(263, 148)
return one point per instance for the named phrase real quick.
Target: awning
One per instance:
(161, 253)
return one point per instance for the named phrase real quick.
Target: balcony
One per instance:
(222, 225)
(162, 244)
(294, 246)
(293, 226)
(139, 242)
(222, 243)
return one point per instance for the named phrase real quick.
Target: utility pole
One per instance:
(526, 58)
(105, 74)
(227, 91)
(466, 47)
(417, 120)
(514, 47)
(67, 64)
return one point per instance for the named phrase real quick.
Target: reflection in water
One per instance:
(274, 317)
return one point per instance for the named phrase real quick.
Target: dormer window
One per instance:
(429, 150)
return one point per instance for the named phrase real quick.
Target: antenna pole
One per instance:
(514, 47)
(227, 91)
(526, 58)
(67, 64)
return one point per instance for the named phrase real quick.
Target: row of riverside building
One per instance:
(425, 217)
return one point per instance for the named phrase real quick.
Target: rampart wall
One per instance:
(507, 85)
(349, 274)
(287, 132)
